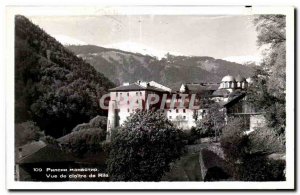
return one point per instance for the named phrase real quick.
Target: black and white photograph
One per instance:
(151, 98)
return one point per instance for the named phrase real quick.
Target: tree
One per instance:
(263, 140)
(212, 122)
(248, 154)
(84, 141)
(268, 90)
(144, 147)
(54, 88)
(234, 141)
(86, 138)
(272, 37)
(27, 132)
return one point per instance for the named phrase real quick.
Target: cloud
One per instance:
(67, 40)
(244, 59)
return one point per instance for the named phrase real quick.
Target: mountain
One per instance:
(53, 87)
(138, 48)
(121, 66)
(244, 60)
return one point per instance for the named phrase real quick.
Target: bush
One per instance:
(99, 122)
(190, 137)
(212, 124)
(234, 141)
(264, 140)
(96, 122)
(49, 140)
(27, 132)
(260, 168)
(144, 147)
(204, 128)
(248, 153)
(84, 141)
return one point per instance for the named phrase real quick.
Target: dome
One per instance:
(228, 78)
(239, 78)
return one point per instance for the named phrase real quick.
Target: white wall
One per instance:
(124, 108)
(256, 121)
(182, 119)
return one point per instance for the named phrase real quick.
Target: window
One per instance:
(140, 93)
(184, 117)
(137, 93)
(128, 94)
(117, 94)
(183, 110)
(128, 110)
(120, 94)
(176, 110)
(128, 102)
(170, 117)
(170, 110)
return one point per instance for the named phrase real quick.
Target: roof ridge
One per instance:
(140, 85)
(22, 158)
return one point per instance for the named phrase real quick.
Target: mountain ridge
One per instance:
(123, 66)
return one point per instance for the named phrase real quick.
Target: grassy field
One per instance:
(187, 168)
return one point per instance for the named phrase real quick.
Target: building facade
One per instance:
(230, 93)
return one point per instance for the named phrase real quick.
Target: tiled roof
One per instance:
(221, 93)
(234, 99)
(39, 151)
(201, 88)
(136, 87)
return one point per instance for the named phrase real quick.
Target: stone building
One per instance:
(230, 93)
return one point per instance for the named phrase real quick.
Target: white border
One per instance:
(136, 10)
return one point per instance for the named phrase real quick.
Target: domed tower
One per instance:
(228, 82)
(241, 82)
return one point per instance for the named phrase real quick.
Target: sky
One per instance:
(222, 37)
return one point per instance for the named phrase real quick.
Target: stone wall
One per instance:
(211, 155)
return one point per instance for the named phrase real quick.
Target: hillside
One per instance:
(53, 87)
(121, 66)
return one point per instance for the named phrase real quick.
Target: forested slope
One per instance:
(53, 87)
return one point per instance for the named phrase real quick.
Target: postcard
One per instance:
(150, 97)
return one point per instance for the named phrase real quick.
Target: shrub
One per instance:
(212, 124)
(84, 141)
(248, 153)
(144, 147)
(260, 168)
(190, 137)
(96, 122)
(234, 141)
(27, 132)
(264, 140)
